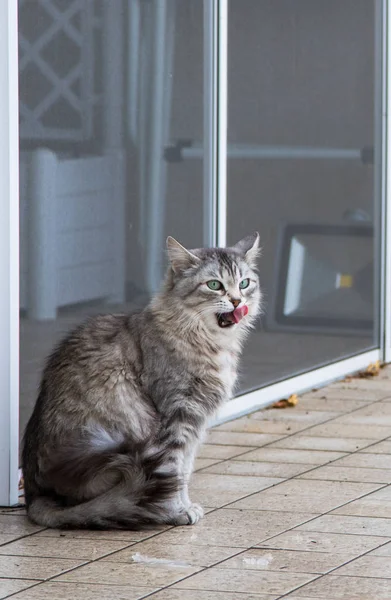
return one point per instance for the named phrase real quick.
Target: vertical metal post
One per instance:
(42, 233)
(379, 198)
(113, 124)
(210, 123)
(222, 83)
(386, 307)
(133, 48)
(156, 212)
(386, 216)
(9, 254)
(113, 75)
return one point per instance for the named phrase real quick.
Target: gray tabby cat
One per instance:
(125, 399)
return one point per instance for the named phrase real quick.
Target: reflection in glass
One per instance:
(303, 170)
(105, 87)
(325, 279)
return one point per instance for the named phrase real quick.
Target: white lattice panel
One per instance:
(56, 70)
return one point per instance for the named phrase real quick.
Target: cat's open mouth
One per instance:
(232, 318)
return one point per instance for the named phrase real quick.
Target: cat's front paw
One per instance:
(189, 515)
(194, 512)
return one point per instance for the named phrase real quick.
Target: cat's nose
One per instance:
(235, 301)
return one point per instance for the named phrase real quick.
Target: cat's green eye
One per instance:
(214, 285)
(244, 284)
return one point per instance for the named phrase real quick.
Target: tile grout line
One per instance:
(256, 547)
(228, 504)
(334, 569)
(27, 535)
(304, 472)
(291, 435)
(241, 454)
(53, 578)
(381, 486)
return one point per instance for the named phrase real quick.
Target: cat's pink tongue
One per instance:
(239, 313)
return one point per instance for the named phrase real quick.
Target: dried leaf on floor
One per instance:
(286, 402)
(372, 370)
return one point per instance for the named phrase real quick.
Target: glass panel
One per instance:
(106, 90)
(302, 110)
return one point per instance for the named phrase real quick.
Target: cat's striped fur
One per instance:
(125, 399)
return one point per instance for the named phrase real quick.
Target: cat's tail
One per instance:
(134, 490)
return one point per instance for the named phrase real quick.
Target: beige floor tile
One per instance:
(294, 597)
(335, 429)
(252, 425)
(201, 463)
(234, 528)
(91, 534)
(184, 554)
(258, 468)
(349, 393)
(76, 591)
(6, 539)
(218, 490)
(11, 586)
(313, 403)
(382, 551)
(84, 549)
(27, 567)
(16, 525)
(245, 581)
(137, 574)
(221, 452)
(305, 496)
(278, 502)
(286, 560)
(292, 416)
(20, 510)
(332, 587)
(377, 504)
(380, 448)
(366, 460)
(372, 414)
(290, 456)
(364, 384)
(314, 541)
(173, 593)
(232, 438)
(337, 473)
(305, 442)
(367, 566)
(351, 525)
(384, 373)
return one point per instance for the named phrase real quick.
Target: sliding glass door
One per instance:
(109, 94)
(205, 121)
(304, 168)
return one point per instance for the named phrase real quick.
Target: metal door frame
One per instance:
(9, 254)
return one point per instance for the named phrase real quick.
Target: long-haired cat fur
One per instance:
(125, 400)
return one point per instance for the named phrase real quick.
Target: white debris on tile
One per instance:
(141, 558)
(263, 561)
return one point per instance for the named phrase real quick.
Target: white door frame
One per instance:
(9, 254)
(386, 189)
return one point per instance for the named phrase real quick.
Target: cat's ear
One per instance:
(249, 248)
(180, 258)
